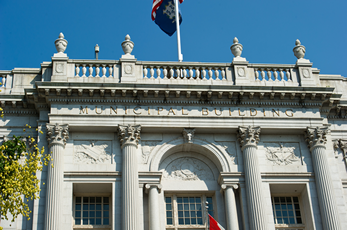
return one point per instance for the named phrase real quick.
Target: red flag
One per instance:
(214, 225)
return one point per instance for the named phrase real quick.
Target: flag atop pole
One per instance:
(165, 15)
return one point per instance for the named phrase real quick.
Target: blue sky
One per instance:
(267, 30)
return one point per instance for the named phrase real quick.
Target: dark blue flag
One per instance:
(165, 17)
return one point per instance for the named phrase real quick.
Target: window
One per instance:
(287, 213)
(91, 211)
(183, 211)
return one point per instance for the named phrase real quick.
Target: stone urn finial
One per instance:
(127, 45)
(236, 48)
(60, 43)
(299, 50)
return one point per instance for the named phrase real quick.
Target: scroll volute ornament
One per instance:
(248, 136)
(57, 134)
(129, 134)
(316, 136)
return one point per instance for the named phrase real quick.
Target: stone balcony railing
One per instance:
(128, 70)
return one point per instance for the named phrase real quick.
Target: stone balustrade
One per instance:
(188, 71)
(94, 68)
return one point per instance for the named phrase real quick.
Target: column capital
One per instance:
(158, 186)
(316, 137)
(129, 135)
(57, 134)
(248, 136)
(343, 145)
(225, 186)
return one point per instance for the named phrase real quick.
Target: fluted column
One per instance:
(153, 203)
(248, 138)
(316, 138)
(129, 137)
(56, 136)
(230, 206)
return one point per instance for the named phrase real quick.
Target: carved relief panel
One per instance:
(188, 169)
(278, 153)
(92, 152)
(147, 147)
(230, 148)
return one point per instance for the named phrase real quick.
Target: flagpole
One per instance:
(206, 207)
(180, 56)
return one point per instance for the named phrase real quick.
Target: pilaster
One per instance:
(248, 138)
(56, 136)
(230, 206)
(129, 137)
(316, 139)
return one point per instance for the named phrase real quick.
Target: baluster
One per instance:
(184, 73)
(110, 70)
(158, 72)
(203, 71)
(288, 75)
(256, 73)
(269, 74)
(90, 70)
(281, 74)
(103, 70)
(77, 69)
(191, 72)
(216, 73)
(145, 71)
(262, 74)
(84, 70)
(197, 73)
(3, 81)
(223, 74)
(97, 71)
(151, 72)
(178, 72)
(275, 74)
(165, 72)
(210, 73)
(171, 72)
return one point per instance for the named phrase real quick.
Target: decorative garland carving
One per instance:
(316, 136)
(92, 152)
(129, 135)
(248, 136)
(57, 134)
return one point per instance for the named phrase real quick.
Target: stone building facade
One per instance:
(141, 145)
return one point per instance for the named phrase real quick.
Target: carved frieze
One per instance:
(188, 169)
(129, 134)
(316, 136)
(92, 152)
(283, 154)
(248, 136)
(230, 148)
(57, 134)
(147, 147)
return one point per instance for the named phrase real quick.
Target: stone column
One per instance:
(316, 138)
(56, 137)
(230, 206)
(129, 137)
(248, 138)
(153, 204)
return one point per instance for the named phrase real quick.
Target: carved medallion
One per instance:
(241, 71)
(188, 169)
(282, 155)
(92, 152)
